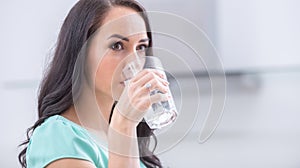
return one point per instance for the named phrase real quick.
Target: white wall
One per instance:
(255, 34)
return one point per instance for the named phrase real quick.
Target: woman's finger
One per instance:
(158, 97)
(146, 72)
(144, 80)
(154, 85)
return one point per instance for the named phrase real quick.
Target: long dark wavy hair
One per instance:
(55, 92)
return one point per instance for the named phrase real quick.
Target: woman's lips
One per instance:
(122, 83)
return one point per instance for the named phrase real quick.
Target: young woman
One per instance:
(58, 138)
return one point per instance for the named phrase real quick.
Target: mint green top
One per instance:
(59, 138)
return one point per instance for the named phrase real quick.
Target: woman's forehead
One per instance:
(123, 21)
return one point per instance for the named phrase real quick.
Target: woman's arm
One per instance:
(129, 111)
(122, 143)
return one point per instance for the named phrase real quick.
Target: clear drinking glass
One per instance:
(159, 114)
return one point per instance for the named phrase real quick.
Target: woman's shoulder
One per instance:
(58, 124)
(58, 137)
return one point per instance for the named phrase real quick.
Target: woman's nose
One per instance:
(136, 55)
(133, 53)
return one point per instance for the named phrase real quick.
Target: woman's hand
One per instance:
(136, 100)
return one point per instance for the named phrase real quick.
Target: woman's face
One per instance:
(122, 34)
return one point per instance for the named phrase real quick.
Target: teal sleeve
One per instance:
(55, 140)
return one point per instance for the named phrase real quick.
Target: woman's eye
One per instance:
(142, 47)
(117, 46)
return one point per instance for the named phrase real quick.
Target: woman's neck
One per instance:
(91, 111)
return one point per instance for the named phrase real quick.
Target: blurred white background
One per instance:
(258, 42)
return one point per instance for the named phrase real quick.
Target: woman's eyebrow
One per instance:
(144, 40)
(118, 36)
(125, 38)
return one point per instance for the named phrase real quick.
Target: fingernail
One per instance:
(161, 75)
(166, 83)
